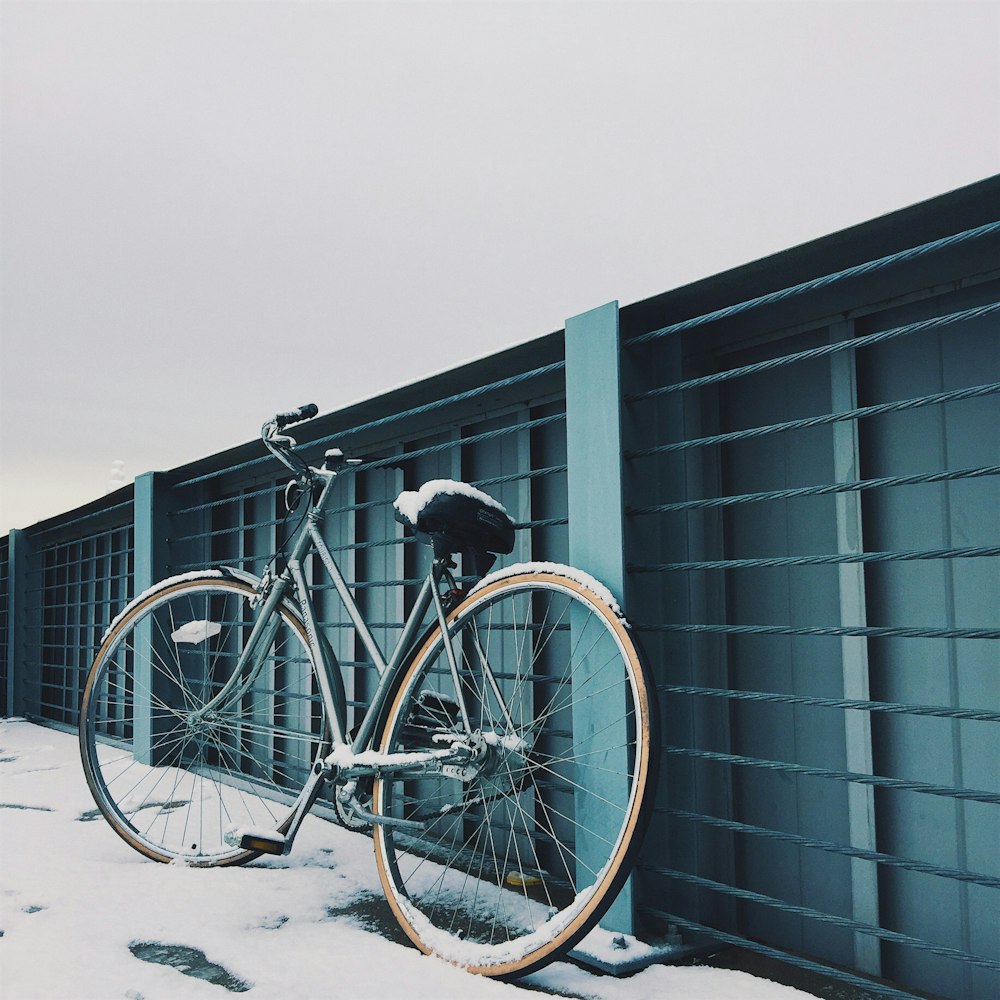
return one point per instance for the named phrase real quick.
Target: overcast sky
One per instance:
(214, 210)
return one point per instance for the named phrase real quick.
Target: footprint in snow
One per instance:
(190, 962)
(273, 922)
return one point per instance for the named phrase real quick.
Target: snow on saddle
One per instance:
(456, 517)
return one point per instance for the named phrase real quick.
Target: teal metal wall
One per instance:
(4, 624)
(813, 532)
(790, 473)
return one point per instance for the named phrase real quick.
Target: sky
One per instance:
(211, 210)
(85, 916)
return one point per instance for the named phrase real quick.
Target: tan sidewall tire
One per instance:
(140, 605)
(614, 875)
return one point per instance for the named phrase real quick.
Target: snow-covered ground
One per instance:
(80, 910)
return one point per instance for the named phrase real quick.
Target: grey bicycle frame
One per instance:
(267, 622)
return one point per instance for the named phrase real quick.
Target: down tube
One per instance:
(386, 671)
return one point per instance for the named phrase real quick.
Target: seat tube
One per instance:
(333, 710)
(452, 660)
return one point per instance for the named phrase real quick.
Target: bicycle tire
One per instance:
(174, 785)
(516, 863)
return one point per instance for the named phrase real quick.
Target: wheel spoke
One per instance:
(539, 815)
(242, 764)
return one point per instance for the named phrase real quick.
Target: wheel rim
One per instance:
(517, 861)
(178, 782)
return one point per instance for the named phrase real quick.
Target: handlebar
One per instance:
(281, 445)
(305, 412)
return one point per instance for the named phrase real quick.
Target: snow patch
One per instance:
(344, 757)
(585, 580)
(155, 589)
(195, 632)
(76, 872)
(470, 953)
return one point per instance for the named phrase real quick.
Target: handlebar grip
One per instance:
(305, 412)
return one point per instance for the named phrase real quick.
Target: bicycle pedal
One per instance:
(265, 842)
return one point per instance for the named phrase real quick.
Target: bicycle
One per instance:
(504, 765)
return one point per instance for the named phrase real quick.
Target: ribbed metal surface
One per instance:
(74, 588)
(4, 623)
(814, 557)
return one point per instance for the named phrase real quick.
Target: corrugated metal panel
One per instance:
(4, 624)
(814, 531)
(74, 588)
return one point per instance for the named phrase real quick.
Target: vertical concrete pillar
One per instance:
(596, 535)
(150, 539)
(854, 649)
(22, 628)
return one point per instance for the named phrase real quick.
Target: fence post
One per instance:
(152, 493)
(854, 652)
(594, 480)
(18, 554)
(150, 548)
(594, 446)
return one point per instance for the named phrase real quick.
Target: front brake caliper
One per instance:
(262, 590)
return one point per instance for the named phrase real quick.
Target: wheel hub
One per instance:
(502, 763)
(198, 725)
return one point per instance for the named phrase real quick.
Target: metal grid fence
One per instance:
(812, 543)
(814, 526)
(74, 588)
(237, 516)
(4, 623)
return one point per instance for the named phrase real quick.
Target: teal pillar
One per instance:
(149, 567)
(22, 627)
(594, 446)
(596, 536)
(152, 499)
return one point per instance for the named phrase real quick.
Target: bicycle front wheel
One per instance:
(176, 770)
(510, 859)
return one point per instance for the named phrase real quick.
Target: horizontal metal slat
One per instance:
(793, 291)
(901, 784)
(853, 344)
(860, 413)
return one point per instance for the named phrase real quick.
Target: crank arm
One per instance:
(274, 841)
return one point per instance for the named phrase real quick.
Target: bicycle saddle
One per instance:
(455, 517)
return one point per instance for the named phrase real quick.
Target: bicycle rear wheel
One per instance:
(177, 782)
(522, 851)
